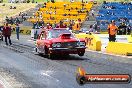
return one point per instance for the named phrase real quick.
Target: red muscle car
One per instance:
(59, 42)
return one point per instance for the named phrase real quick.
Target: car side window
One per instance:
(43, 35)
(49, 35)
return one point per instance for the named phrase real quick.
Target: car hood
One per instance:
(64, 40)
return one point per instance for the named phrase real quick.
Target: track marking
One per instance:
(47, 73)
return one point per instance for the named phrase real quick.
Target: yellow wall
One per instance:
(129, 38)
(93, 41)
(119, 48)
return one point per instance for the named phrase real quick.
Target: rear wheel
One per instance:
(38, 52)
(81, 53)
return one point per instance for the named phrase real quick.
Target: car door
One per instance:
(42, 42)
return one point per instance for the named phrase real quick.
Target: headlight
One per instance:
(53, 45)
(56, 45)
(81, 44)
(78, 43)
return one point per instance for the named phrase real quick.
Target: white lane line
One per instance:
(47, 73)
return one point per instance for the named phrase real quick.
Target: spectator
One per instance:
(70, 25)
(48, 27)
(7, 19)
(54, 25)
(17, 30)
(65, 25)
(95, 27)
(112, 30)
(91, 28)
(129, 28)
(7, 33)
(119, 32)
(76, 27)
(37, 25)
(44, 5)
(58, 26)
(17, 20)
(92, 13)
(122, 29)
(11, 21)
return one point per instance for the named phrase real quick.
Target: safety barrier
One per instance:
(93, 42)
(119, 48)
(129, 38)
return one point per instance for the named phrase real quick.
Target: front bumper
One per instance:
(75, 50)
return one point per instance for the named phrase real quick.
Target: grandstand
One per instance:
(120, 12)
(62, 11)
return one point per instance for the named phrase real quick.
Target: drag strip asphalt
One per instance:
(34, 71)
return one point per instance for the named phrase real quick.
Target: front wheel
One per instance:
(2, 38)
(81, 53)
(51, 56)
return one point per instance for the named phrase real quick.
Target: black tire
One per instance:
(51, 56)
(2, 38)
(36, 49)
(81, 53)
(46, 52)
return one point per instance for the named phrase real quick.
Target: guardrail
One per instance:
(93, 41)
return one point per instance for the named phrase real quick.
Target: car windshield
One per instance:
(55, 33)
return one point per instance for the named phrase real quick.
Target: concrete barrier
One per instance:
(129, 38)
(93, 42)
(119, 48)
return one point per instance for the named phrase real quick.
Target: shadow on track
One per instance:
(66, 57)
